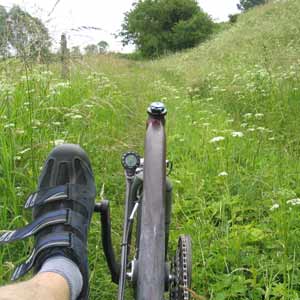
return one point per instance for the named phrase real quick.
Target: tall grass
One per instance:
(233, 137)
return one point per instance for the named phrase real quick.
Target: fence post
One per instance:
(64, 52)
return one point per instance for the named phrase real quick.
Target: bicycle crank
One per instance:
(181, 270)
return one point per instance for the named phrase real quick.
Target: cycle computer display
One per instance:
(130, 161)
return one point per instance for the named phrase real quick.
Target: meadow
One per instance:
(233, 137)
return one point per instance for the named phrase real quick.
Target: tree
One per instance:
(233, 18)
(3, 31)
(27, 34)
(247, 4)
(102, 47)
(160, 26)
(75, 51)
(91, 49)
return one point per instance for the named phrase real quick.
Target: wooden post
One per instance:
(64, 57)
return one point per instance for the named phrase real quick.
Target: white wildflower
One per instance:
(56, 123)
(223, 174)
(275, 206)
(294, 202)
(58, 142)
(244, 125)
(37, 122)
(63, 84)
(261, 128)
(237, 134)
(24, 151)
(76, 117)
(259, 115)
(9, 125)
(20, 131)
(247, 115)
(217, 139)
(251, 129)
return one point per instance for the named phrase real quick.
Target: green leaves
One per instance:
(160, 26)
(247, 4)
(24, 33)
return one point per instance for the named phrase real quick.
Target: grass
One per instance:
(233, 136)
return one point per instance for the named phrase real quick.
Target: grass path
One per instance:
(233, 136)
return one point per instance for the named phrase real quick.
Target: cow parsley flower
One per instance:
(76, 117)
(247, 115)
(259, 115)
(223, 174)
(58, 142)
(24, 151)
(237, 134)
(9, 125)
(217, 139)
(275, 206)
(294, 202)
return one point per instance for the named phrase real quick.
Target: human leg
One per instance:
(46, 286)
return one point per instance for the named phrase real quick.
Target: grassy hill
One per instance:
(233, 136)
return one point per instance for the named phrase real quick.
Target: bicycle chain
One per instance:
(179, 288)
(184, 271)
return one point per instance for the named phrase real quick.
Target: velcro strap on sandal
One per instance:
(74, 192)
(63, 239)
(63, 216)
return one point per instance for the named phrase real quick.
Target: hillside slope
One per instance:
(233, 136)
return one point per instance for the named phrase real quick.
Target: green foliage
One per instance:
(3, 31)
(91, 49)
(75, 51)
(27, 34)
(157, 27)
(23, 33)
(233, 18)
(247, 4)
(102, 47)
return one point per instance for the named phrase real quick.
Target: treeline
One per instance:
(155, 27)
(23, 35)
(26, 36)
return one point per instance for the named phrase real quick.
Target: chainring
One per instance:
(181, 270)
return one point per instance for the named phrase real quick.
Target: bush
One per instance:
(160, 26)
(247, 4)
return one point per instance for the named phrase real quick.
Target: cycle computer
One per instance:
(130, 161)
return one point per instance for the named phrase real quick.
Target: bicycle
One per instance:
(148, 200)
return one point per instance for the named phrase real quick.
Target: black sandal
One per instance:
(62, 210)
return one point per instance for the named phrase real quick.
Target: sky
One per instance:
(105, 16)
